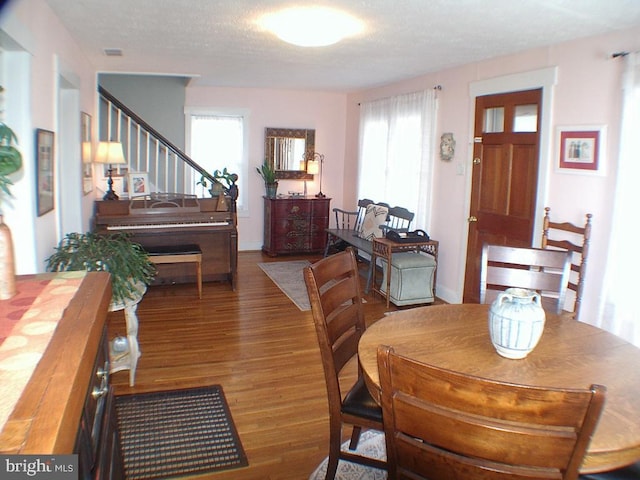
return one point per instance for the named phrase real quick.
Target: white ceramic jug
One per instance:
(516, 322)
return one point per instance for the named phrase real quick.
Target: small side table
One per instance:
(385, 248)
(128, 359)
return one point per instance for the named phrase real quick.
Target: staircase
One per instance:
(170, 170)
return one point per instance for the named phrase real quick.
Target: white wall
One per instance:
(587, 92)
(324, 112)
(51, 55)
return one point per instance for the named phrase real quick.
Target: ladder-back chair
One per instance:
(569, 237)
(545, 271)
(333, 286)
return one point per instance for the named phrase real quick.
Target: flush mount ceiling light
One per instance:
(311, 26)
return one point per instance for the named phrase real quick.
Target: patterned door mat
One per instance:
(180, 432)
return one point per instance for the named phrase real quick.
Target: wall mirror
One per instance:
(287, 149)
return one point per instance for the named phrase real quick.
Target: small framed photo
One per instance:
(44, 170)
(580, 149)
(138, 184)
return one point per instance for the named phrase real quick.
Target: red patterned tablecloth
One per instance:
(27, 323)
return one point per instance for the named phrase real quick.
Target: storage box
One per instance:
(411, 278)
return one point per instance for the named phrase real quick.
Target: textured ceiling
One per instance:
(218, 42)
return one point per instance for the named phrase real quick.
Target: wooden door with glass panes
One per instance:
(505, 177)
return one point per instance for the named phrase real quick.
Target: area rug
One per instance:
(175, 433)
(371, 444)
(288, 277)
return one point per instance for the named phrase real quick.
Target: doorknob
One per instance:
(472, 219)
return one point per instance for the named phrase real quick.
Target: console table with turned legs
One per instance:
(128, 358)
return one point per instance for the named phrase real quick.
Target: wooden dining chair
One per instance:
(570, 238)
(441, 425)
(333, 286)
(542, 270)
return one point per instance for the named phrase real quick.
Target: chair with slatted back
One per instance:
(575, 239)
(399, 219)
(542, 270)
(441, 425)
(334, 292)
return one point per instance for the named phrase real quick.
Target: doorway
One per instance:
(506, 158)
(68, 168)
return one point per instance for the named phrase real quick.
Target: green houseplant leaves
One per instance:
(267, 173)
(126, 261)
(10, 158)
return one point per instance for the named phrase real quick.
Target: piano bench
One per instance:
(178, 254)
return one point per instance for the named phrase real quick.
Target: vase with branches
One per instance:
(10, 163)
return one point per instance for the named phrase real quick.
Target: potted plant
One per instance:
(268, 174)
(126, 261)
(10, 162)
(224, 182)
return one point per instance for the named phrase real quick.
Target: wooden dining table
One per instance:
(570, 354)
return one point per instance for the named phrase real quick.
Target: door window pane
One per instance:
(493, 120)
(525, 118)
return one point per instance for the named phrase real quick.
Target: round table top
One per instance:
(570, 354)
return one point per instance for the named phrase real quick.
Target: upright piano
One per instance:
(176, 219)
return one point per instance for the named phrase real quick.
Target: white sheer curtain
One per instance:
(397, 138)
(621, 312)
(218, 141)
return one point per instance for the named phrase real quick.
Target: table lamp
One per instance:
(110, 153)
(314, 166)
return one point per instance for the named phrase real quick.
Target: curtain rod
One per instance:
(619, 54)
(623, 54)
(436, 87)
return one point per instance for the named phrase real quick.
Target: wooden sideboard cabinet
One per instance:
(67, 404)
(295, 225)
(98, 443)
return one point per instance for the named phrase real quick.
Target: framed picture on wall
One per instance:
(44, 170)
(580, 149)
(86, 153)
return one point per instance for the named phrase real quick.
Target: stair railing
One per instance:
(170, 170)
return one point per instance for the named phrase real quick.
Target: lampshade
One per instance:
(313, 167)
(110, 153)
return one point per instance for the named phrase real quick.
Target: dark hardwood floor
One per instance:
(259, 346)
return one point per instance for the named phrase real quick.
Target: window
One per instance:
(525, 118)
(397, 141)
(218, 140)
(493, 120)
